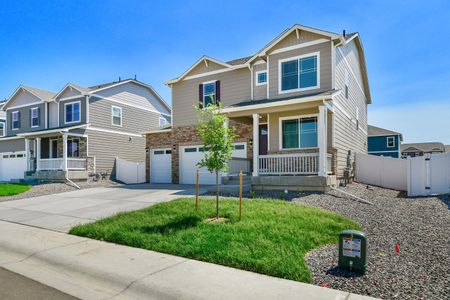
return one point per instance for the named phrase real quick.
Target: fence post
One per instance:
(196, 191)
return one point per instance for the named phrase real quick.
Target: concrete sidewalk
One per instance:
(90, 269)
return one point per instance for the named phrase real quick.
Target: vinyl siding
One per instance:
(23, 98)
(105, 147)
(25, 119)
(259, 92)
(202, 68)
(234, 85)
(135, 95)
(52, 115)
(69, 92)
(325, 69)
(62, 111)
(379, 145)
(292, 40)
(133, 119)
(12, 145)
(346, 136)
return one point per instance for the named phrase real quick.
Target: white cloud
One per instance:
(418, 122)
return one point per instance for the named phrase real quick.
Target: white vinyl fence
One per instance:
(130, 172)
(419, 176)
(382, 171)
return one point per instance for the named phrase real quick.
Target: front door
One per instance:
(263, 139)
(54, 148)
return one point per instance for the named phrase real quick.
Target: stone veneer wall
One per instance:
(187, 135)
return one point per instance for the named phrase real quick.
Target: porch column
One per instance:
(255, 144)
(27, 153)
(65, 151)
(38, 153)
(322, 142)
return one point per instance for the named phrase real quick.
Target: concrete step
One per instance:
(231, 189)
(234, 180)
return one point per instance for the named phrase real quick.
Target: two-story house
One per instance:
(299, 105)
(383, 142)
(78, 131)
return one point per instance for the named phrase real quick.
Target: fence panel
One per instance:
(130, 172)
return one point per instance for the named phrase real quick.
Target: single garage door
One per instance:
(161, 166)
(191, 155)
(12, 166)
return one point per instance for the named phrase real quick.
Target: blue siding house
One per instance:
(383, 142)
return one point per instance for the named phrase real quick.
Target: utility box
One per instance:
(353, 251)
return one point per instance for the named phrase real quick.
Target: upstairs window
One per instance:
(299, 74)
(116, 113)
(261, 78)
(209, 93)
(162, 122)
(2, 129)
(391, 141)
(357, 118)
(35, 117)
(346, 83)
(72, 112)
(15, 116)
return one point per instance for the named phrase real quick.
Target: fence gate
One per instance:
(429, 175)
(130, 172)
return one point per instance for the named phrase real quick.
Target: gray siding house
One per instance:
(78, 131)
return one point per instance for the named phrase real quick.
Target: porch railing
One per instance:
(47, 164)
(292, 164)
(236, 164)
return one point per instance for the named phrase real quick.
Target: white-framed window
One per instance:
(346, 83)
(299, 73)
(34, 117)
(298, 132)
(391, 141)
(73, 147)
(2, 129)
(209, 93)
(15, 120)
(116, 115)
(72, 112)
(261, 78)
(162, 121)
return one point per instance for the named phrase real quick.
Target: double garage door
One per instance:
(161, 164)
(12, 165)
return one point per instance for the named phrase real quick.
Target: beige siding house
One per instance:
(299, 106)
(79, 131)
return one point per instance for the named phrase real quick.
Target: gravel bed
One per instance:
(55, 188)
(421, 228)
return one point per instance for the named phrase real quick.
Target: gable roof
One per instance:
(424, 147)
(378, 131)
(81, 89)
(44, 95)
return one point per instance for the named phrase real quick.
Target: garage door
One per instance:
(161, 166)
(191, 155)
(12, 166)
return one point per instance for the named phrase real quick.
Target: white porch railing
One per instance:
(238, 164)
(47, 164)
(289, 164)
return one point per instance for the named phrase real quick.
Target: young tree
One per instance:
(217, 140)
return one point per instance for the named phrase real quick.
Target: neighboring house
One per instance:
(2, 120)
(420, 149)
(383, 142)
(447, 148)
(299, 105)
(79, 130)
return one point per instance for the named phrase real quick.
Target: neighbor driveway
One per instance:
(61, 212)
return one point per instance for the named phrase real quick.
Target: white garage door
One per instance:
(12, 166)
(191, 155)
(161, 166)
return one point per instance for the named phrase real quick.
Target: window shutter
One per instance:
(18, 117)
(39, 116)
(200, 95)
(217, 92)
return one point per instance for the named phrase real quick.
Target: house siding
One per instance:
(52, 114)
(377, 145)
(12, 145)
(325, 69)
(234, 85)
(25, 119)
(203, 68)
(62, 112)
(23, 98)
(346, 136)
(259, 92)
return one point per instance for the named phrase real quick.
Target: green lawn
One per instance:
(272, 238)
(13, 189)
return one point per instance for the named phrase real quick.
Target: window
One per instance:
(261, 78)
(72, 112)
(35, 117)
(239, 147)
(391, 141)
(116, 114)
(73, 148)
(346, 83)
(158, 152)
(2, 129)
(299, 74)
(299, 133)
(162, 122)
(15, 124)
(190, 150)
(209, 93)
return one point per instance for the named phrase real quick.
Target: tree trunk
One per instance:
(217, 194)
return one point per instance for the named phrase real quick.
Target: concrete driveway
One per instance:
(61, 212)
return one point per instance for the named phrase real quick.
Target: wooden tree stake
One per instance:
(196, 191)
(240, 196)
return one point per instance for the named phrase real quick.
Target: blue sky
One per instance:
(49, 43)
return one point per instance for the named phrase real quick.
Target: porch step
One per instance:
(234, 180)
(231, 189)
